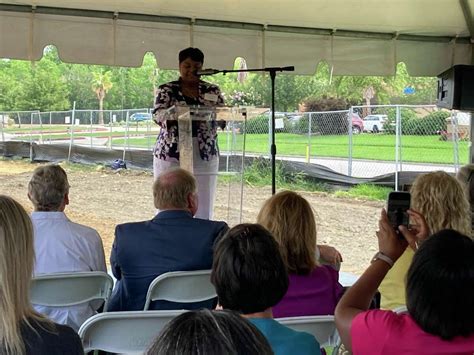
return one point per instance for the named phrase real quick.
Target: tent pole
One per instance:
(273, 145)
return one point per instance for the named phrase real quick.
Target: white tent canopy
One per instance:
(356, 37)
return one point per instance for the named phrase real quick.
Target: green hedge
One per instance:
(431, 124)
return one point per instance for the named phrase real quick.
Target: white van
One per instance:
(374, 123)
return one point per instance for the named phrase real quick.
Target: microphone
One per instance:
(207, 72)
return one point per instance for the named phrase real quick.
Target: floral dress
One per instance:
(169, 95)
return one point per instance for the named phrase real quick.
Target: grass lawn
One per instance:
(423, 149)
(426, 149)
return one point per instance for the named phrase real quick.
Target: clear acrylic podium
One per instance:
(228, 199)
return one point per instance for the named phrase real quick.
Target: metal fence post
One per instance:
(349, 125)
(110, 128)
(71, 140)
(31, 136)
(309, 136)
(90, 118)
(454, 127)
(50, 126)
(126, 143)
(148, 130)
(2, 125)
(269, 134)
(398, 132)
(41, 128)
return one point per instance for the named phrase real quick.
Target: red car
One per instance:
(357, 123)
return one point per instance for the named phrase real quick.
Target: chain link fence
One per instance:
(367, 141)
(364, 141)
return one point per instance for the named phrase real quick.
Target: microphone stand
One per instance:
(272, 71)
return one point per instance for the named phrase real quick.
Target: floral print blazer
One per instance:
(169, 95)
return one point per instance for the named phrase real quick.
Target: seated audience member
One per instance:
(60, 244)
(465, 176)
(22, 330)
(250, 278)
(172, 241)
(314, 288)
(439, 295)
(440, 198)
(210, 333)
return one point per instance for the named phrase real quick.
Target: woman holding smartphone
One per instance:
(440, 198)
(439, 290)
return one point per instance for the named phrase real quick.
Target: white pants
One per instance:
(205, 173)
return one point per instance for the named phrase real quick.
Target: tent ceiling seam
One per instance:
(466, 11)
(235, 25)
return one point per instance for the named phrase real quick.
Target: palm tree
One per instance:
(101, 83)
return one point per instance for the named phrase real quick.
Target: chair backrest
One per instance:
(69, 289)
(401, 309)
(124, 332)
(322, 327)
(181, 287)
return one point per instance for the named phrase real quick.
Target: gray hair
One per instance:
(172, 188)
(47, 187)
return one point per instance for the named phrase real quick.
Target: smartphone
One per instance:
(397, 205)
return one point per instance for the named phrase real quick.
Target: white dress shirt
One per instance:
(64, 246)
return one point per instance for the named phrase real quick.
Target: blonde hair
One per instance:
(47, 187)
(440, 198)
(16, 268)
(465, 176)
(290, 219)
(172, 188)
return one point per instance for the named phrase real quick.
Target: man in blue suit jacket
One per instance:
(172, 241)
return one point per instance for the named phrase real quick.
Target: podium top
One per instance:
(204, 113)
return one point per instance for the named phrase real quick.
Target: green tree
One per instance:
(42, 87)
(78, 79)
(101, 84)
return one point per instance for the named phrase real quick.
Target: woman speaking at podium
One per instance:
(191, 91)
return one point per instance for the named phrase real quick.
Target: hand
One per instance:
(329, 254)
(389, 243)
(418, 231)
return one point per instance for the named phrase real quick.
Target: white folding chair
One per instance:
(401, 309)
(124, 332)
(69, 289)
(322, 327)
(181, 287)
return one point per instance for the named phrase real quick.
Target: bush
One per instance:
(407, 115)
(434, 123)
(323, 123)
(314, 104)
(258, 124)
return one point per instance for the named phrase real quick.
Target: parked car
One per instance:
(357, 123)
(374, 123)
(140, 116)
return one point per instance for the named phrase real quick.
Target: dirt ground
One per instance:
(104, 198)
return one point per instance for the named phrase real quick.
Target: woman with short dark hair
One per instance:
(189, 90)
(250, 277)
(439, 293)
(211, 333)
